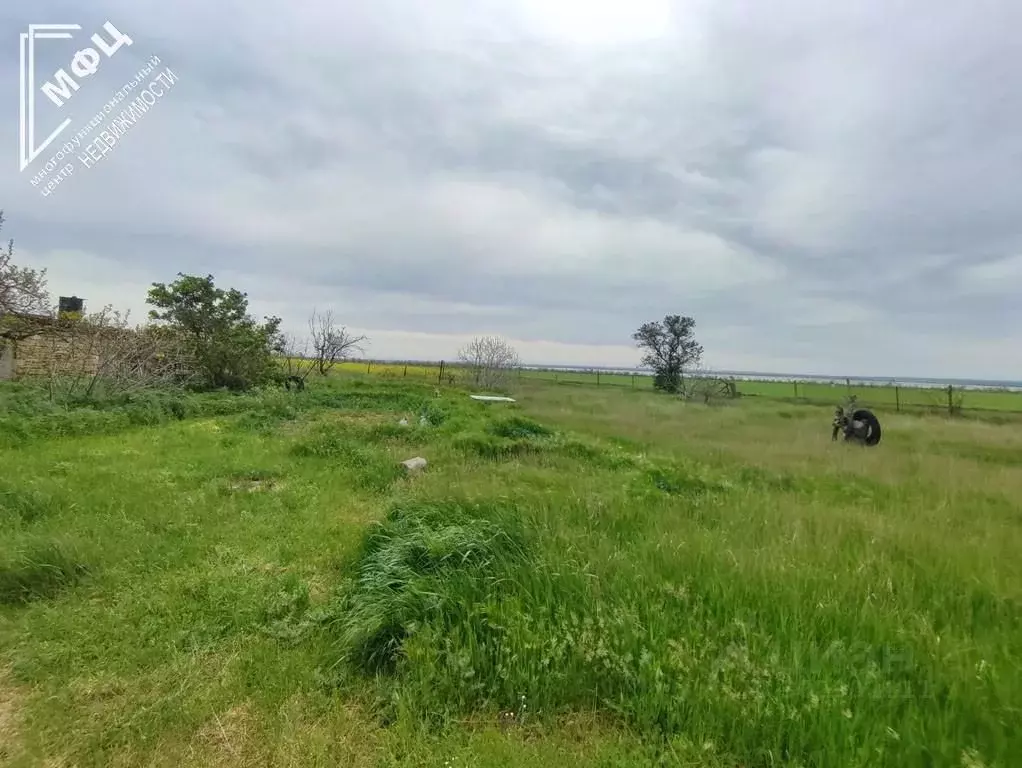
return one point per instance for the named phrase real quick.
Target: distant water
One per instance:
(907, 381)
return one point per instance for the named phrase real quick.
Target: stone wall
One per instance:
(6, 362)
(40, 354)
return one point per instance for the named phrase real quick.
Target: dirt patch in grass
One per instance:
(227, 739)
(247, 484)
(10, 719)
(356, 419)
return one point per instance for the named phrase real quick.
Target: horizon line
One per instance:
(733, 372)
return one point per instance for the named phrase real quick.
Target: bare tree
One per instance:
(23, 295)
(490, 360)
(703, 385)
(331, 344)
(298, 363)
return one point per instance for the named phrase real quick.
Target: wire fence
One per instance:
(895, 396)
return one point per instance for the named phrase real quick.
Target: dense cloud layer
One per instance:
(827, 189)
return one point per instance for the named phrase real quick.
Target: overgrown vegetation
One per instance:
(423, 567)
(250, 577)
(199, 336)
(231, 349)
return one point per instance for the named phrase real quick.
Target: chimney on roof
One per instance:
(70, 304)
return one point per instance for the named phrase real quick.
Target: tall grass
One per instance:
(689, 645)
(425, 564)
(39, 570)
(697, 585)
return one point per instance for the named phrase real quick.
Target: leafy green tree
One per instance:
(230, 347)
(670, 347)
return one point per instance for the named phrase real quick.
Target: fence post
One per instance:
(795, 384)
(440, 378)
(597, 378)
(848, 383)
(369, 367)
(406, 370)
(633, 381)
(950, 402)
(897, 398)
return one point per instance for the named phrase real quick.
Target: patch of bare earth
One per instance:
(228, 738)
(10, 720)
(252, 485)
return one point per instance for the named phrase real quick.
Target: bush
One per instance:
(229, 348)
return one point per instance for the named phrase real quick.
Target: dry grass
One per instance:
(10, 719)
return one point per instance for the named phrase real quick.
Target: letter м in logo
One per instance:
(28, 151)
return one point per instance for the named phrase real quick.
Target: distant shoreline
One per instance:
(904, 381)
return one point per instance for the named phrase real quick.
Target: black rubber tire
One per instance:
(872, 425)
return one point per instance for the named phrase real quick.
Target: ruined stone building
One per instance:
(39, 348)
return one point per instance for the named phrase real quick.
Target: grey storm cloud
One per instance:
(826, 189)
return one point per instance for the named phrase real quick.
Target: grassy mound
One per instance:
(425, 564)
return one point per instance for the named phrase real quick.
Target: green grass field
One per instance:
(591, 576)
(880, 396)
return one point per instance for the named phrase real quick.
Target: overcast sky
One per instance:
(830, 188)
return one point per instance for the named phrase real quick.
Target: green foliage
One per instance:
(670, 347)
(233, 350)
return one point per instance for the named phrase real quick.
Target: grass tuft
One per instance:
(516, 427)
(420, 565)
(25, 504)
(38, 571)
